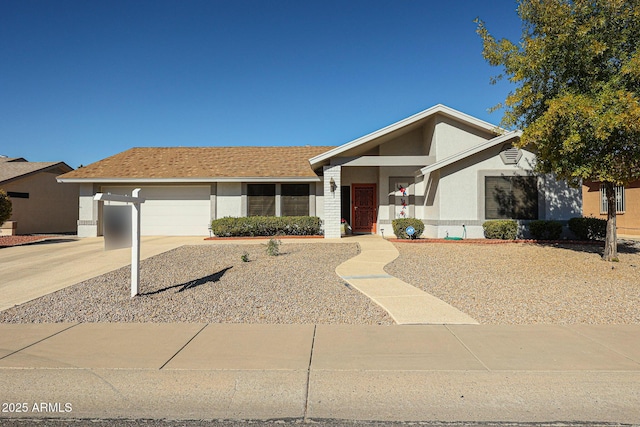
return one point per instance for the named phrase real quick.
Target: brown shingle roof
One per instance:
(203, 162)
(11, 170)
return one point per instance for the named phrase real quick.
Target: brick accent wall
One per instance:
(331, 203)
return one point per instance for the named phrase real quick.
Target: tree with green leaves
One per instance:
(5, 206)
(577, 73)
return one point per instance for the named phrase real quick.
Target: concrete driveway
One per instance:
(31, 271)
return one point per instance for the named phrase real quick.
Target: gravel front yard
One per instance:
(526, 283)
(211, 284)
(495, 284)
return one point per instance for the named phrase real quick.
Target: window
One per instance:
(511, 197)
(261, 200)
(620, 204)
(294, 199)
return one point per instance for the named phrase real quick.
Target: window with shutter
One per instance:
(511, 197)
(294, 199)
(261, 199)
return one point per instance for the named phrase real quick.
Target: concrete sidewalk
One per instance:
(405, 303)
(306, 372)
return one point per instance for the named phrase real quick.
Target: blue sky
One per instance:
(83, 80)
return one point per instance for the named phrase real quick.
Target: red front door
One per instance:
(365, 212)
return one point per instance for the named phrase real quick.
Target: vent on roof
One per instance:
(510, 155)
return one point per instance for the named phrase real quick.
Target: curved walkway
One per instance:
(405, 303)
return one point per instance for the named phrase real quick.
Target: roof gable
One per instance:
(470, 152)
(20, 168)
(409, 122)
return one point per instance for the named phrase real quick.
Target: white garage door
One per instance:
(172, 211)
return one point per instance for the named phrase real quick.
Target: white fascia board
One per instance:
(471, 151)
(442, 109)
(118, 198)
(383, 161)
(184, 180)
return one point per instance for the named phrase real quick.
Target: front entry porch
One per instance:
(368, 198)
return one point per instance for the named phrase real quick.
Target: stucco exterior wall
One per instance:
(87, 211)
(229, 199)
(561, 202)
(386, 201)
(409, 144)
(459, 185)
(628, 222)
(460, 194)
(50, 208)
(451, 137)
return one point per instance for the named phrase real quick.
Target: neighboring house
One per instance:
(594, 203)
(39, 203)
(440, 165)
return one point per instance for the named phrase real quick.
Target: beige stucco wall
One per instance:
(409, 144)
(50, 208)
(229, 199)
(628, 222)
(359, 175)
(459, 184)
(451, 137)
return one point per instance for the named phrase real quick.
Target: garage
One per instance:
(172, 210)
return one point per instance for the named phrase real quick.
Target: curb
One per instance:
(264, 237)
(499, 242)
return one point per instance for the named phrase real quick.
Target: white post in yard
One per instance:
(135, 243)
(135, 201)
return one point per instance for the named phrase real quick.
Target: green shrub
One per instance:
(5, 206)
(506, 229)
(588, 228)
(545, 230)
(266, 226)
(401, 224)
(273, 247)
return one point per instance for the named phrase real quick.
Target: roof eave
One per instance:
(471, 151)
(200, 180)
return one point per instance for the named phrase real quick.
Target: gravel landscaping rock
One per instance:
(526, 283)
(6, 241)
(211, 284)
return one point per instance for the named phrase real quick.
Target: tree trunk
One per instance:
(611, 239)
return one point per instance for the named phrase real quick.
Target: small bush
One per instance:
(545, 230)
(401, 224)
(273, 247)
(588, 228)
(245, 256)
(266, 226)
(5, 206)
(505, 229)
